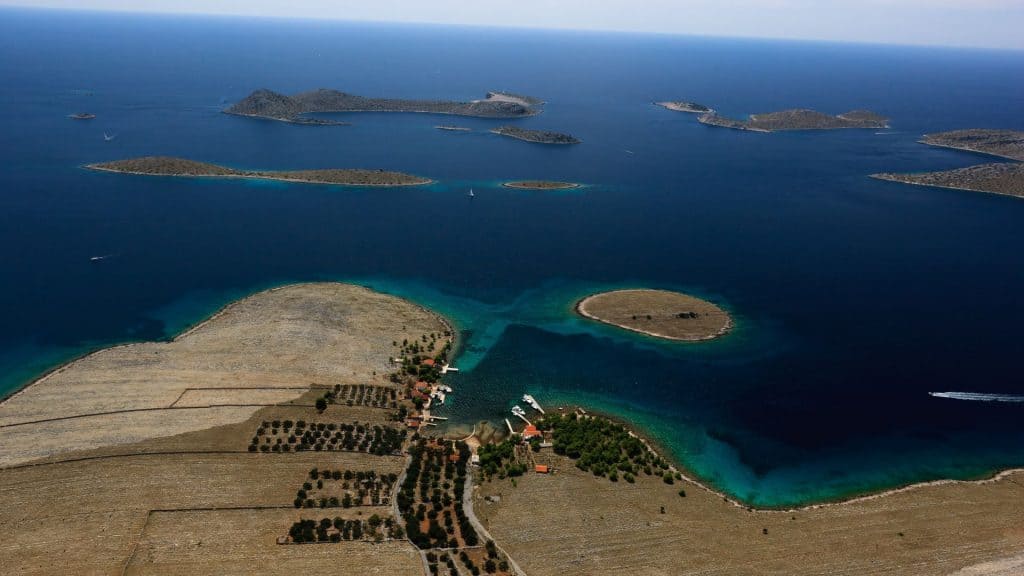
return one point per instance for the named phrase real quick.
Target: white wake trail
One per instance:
(979, 396)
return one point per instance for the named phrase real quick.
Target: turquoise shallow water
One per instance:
(853, 298)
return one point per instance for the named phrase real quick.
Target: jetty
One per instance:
(519, 412)
(533, 403)
(448, 368)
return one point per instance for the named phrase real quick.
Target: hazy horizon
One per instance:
(994, 24)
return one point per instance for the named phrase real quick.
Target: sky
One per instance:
(976, 23)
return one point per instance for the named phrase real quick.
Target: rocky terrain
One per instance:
(1004, 143)
(799, 120)
(999, 178)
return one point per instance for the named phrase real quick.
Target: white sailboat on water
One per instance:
(471, 195)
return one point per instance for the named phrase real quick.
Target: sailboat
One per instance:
(108, 137)
(471, 195)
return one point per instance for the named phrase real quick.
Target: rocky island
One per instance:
(1002, 143)
(536, 136)
(690, 107)
(798, 120)
(541, 185)
(171, 166)
(272, 105)
(658, 313)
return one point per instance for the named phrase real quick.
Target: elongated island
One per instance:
(799, 119)
(688, 107)
(1005, 178)
(271, 105)
(658, 313)
(172, 166)
(536, 136)
(541, 185)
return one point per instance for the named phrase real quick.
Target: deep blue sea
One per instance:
(853, 298)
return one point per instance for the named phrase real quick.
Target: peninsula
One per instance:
(612, 500)
(1006, 178)
(690, 107)
(541, 185)
(798, 120)
(658, 313)
(296, 416)
(1002, 143)
(536, 136)
(171, 166)
(272, 105)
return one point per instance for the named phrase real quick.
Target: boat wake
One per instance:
(979, 396)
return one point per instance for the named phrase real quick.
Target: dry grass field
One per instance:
(150, 489)
(574, 523)
(298, 335)
(657, 313)
(198, 543)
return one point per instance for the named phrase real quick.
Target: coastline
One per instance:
(967, 149)
(97, 168)
(582, 312)
(960, 188)
(223, 309)
(688, 475)
(676, 463)
(188, 330)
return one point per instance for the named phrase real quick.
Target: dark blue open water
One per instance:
(854, 298)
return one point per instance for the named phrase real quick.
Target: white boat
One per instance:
(108, 137)
(471, 195)
(443, 388)
(98, 258)
(533, 403)
(517, 411)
